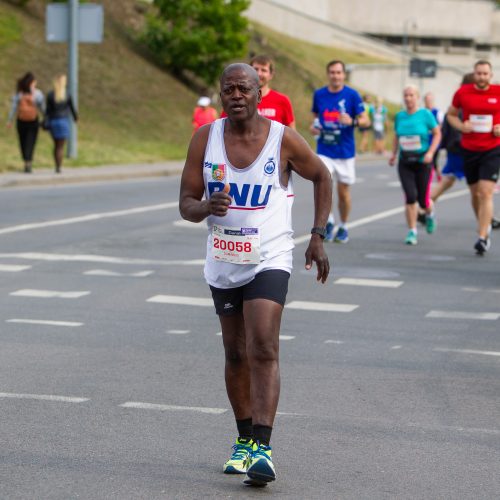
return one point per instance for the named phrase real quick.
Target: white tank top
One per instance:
(260, 203)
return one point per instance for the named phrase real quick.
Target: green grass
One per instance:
(10, 29)
(131, 111)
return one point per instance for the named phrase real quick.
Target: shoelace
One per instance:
(240, 452)
(261, 452)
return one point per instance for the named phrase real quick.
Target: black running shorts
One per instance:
(481, 165)
(270, 285)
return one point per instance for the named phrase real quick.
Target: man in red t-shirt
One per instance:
(203, 113)
(274, 105)
(479, 103)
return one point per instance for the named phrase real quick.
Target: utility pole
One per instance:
(73, 72)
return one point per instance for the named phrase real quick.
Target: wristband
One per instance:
(319, 230)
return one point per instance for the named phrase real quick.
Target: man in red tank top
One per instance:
(479, 103)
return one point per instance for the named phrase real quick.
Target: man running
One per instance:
(238, 176)
(273, 105)
(337, 109)
(480, 126)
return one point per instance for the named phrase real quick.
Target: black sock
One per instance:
(262, 434)
(245, 429)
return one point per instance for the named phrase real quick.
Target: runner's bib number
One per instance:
(481, 123)
(236, 245)
(410, 142)
(330, 137)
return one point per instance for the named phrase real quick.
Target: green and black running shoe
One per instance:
(240, 459)
(261, 470)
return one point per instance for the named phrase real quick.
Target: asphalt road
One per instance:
(111, 366)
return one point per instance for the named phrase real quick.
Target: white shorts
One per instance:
(342, 168)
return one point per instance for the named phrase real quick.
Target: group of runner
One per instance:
(238, 177)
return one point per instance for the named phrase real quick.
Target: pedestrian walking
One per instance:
(337, 109)
(27, 105)
(415, 152)
(379, 119)
(57, 116)
(236, 176)
(479, 103)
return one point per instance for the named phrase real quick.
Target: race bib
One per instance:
(330, 137)
(410, 142)
(237, 245)
(481, 123)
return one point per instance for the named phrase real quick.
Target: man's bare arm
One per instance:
(191, 204)
(455, 121)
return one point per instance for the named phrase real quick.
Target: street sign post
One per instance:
(423, 68)
(74, 23)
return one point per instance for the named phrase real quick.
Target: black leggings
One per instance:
(28, 132)
(416, 182)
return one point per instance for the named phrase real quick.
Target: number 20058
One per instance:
(232, 246)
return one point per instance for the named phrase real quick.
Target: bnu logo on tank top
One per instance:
(245, 196)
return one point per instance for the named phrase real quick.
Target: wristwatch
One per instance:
(319, 230)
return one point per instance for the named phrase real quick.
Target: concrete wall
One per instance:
(441, 18)
(305, 26)
(388, 81)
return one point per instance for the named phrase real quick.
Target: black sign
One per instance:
(421, 68)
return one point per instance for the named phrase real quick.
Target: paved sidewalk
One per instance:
(46, 176)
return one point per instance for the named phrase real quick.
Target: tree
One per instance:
(200, 36)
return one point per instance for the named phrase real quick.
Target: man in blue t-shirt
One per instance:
(337, 109)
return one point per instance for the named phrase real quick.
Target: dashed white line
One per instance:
(287, 337)
(44, 322)
(178, 332)
(475, 289)
(49, 294)
(467, 351)
(181, 301)
(43, 397)
(396, 347)
(53, 257)
(11, 268)
(105, 272)
(337, 342)
(162, 407)
(488, 316)
(88, 218)
(321, 306)
(368, 282)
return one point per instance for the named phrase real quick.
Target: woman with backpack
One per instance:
(59, 107)
(26, 105)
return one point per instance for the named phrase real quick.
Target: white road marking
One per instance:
(382, 215)
(395, 347)
(468, 351)
(475, 289)
(88, 217)
(43, 322)
(182, 301)
(190, 225)
(43, 397)
(52, 257)
(48, 294)
(105, 272)
(321, 306)
(8, 268)
(152, 406)
(178, 332)
(219, 334)
(489, 316)
(287, 337)
(368, 282)
(337, 342)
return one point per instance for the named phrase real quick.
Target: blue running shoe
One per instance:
(342, 235)
(261, 470)
(329, 231)
(240, 459)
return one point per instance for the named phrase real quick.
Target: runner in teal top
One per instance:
(411, 139)
(413, 130)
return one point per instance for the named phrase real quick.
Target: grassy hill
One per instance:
(131, 110)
